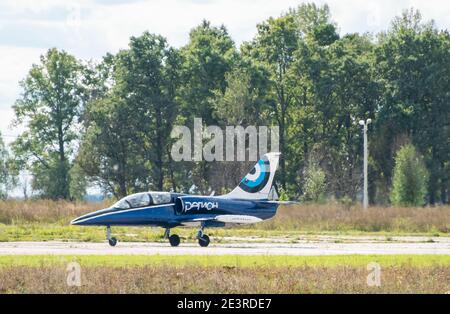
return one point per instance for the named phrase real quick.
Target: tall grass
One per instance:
(304, 217)
(335, 217)
(194, 279)
(44, 211)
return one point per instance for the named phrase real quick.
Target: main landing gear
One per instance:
(112, 241)
(203, 239)
(174, 239)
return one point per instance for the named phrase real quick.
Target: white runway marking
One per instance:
(140, 248)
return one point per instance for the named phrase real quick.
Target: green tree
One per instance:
(108, 154)
(149, 77)
(78, 182)
(344, 92)
(8, 173)
(273, 48)
(409, 183)
(412, 64)
(208, 56)
(240, 104)
(314, 23)
(291, 49)
(315, 183)
(237, 105)
(126, 144)
(49, 108)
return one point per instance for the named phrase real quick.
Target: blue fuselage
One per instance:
(211, 211)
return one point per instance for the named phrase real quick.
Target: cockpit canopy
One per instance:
(143, 199)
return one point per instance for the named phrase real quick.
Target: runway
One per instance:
(243, 248)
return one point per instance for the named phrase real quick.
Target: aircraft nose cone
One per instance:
(83, 220)
(76, 221)
(92, 218)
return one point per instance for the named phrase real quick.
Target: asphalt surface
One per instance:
(440, 246)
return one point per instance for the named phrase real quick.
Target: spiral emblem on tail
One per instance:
(257, 179)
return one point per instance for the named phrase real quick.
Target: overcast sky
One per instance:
(90, 28)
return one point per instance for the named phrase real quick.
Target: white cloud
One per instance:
(9, 134)
(15, 62)
(174, 18)
(89, 28)
(376, 15)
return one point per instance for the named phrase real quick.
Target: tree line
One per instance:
(108, 123)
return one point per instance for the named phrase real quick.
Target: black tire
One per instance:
(174, 240)
(203, 241)
(112, 241)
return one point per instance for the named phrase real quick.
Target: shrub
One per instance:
(409, 184)
(315, 184)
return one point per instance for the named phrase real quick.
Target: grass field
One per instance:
(48, 220)
(225, 274)
(226, 260)
(44, 220)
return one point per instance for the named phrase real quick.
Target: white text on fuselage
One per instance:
(200, 205)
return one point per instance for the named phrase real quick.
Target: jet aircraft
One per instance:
(247, 203)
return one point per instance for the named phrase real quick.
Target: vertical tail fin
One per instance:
(257, 183)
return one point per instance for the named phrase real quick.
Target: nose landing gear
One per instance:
(111, 240)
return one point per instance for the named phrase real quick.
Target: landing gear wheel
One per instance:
(112, 241)
(174, 240)
(203, 240)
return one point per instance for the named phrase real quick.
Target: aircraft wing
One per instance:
(284, 202)
(225, 219)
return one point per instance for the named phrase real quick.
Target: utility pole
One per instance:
(364, 124)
